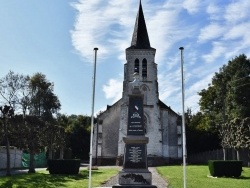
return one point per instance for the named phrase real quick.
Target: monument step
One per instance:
(134, 186)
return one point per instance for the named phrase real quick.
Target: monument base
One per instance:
(134, 186)
(135, 177)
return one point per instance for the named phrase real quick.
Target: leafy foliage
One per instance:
(79, 135)
(199, 139)
(226, 102)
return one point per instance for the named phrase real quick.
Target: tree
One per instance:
(34, 128)
(227, 98)
(43, 102)
(236, 134)
(79, 135)
(199, 138)
(12, 87)
(38, 103)
(54, 138)
(228, 95)
(6, 113)
(64, 128)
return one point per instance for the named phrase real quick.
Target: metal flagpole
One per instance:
(183, 122)
(92, 119)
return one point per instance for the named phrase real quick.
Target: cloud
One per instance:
(113, 89)
(237, 11)
(192, 6)
(98, 23)
(238, 31)
(211, 32)
(217, 50)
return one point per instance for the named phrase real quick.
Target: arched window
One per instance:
(136, 68)
(144, 68)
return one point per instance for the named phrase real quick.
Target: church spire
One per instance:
(140, 38)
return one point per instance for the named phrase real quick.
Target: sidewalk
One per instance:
(157, 180)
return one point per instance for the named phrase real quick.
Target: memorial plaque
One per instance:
(135, 156)
(135, 116)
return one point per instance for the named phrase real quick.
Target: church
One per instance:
(162, 124)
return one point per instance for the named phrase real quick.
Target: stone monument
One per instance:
(135, 173)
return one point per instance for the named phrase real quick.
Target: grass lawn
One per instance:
(197, 176)
(42, 179)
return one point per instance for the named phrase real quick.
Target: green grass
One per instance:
(197, 176)
(42, 179)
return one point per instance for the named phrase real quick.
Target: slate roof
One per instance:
(140, 39)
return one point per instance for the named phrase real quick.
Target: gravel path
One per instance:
(156, 179)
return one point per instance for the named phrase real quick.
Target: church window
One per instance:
(136, 68)
(144, 68)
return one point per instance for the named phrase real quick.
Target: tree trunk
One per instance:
(238, 155)
(61, 153)
(248, 158)
(8, 156)
(51, 152)
(32, 161)
(7, 149)
(224, 154)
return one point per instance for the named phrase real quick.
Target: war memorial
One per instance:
(135, 171)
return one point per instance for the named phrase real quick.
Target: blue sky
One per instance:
(57, 37)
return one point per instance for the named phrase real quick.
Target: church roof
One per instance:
(140, 39)
(162, 105)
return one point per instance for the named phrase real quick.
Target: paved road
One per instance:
(156, 180)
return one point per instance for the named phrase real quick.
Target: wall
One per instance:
(203, 157)
(105, 139)
(15, 158)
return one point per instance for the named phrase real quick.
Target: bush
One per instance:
(69, 166)
(225, 168)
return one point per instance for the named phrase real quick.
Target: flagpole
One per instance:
(92, 119)
(183, 121)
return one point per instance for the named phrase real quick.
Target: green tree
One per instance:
(43, 102)
(6, 113)
(227, 98)
(64, 128)
(199, 139)
(79, 138)
(34, 128)
(12, 87)
(33, 97)
(236, 134)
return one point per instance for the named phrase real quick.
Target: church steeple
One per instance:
(140, 38)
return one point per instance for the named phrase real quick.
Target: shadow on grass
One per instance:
(42, 180)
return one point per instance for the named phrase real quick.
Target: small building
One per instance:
(162, 124)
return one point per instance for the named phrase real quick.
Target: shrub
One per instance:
(225, 168)
(69, 166)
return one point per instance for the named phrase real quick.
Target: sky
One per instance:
(57, 38)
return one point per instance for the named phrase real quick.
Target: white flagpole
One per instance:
(183, 122)
(92, 119)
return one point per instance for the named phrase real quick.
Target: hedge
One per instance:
(229, 168)
(67, 166)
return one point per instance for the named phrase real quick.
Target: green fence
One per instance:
(40, 160)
